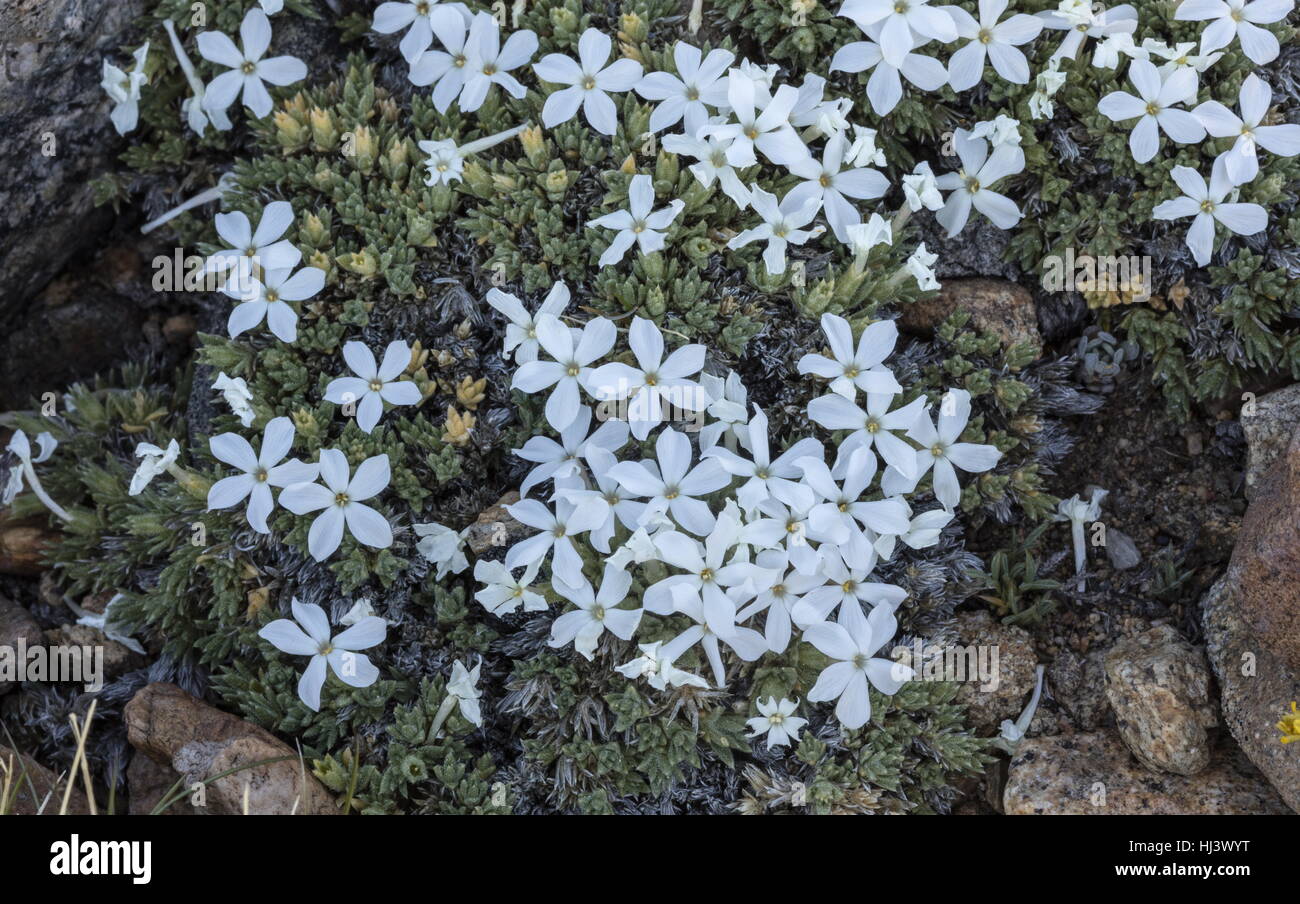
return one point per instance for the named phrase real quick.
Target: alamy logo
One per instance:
(83, 664)
(75, 857)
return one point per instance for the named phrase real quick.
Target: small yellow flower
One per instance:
(1290, 725)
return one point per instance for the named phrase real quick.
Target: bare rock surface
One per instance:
(1269, 425)
(200, 741)
(55, 135)
(1016, 664)
(148, 783)
(1093, 774)
(16, 624)
(1158, 685)
(1078, 683)
(998, 306)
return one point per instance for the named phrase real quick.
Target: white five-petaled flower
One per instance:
(489, 62)
(590, 83)
(20, 446)
(711, 152)
(557, 530)
(123, 89)
(842, 512)
(247, 69)
(504, 593)
(448, 68)
(750, 127)
(1176, 57)
(1254, 101)
(341, 499)
(261, 471)
(682, 97)
(562, 461)
(654, 382)
(970, 185)
(268, 298)
(570, 369)
(443, 546)
(237, 395)
(374, 383)
(885, 88)
(777, 721)
(154, 461)
(764, 476)
(251, 249)
(597, 612)
(620, 508)
(782, 226)
(1153, 108)
(1238, 19)
(992, 39)
(446, 160)
(852, 369)
(898, 20)
(412, 15)
(311, 637)
(854, 648)
(873, 427)
(521, 328)
(638, 224)
(829, 181)
(941, 449)
(1206, 204)
(670, 483)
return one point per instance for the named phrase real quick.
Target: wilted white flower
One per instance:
(443, 547)
(154, 462)
(20, 446)
(237, 395)
(1081, 21)
(999, 131)
(123, 89)
(921, 265)
(1047, 83)
(310, 636)
(920, 189)
(660, 672)
(446, 160)
(1079, 513)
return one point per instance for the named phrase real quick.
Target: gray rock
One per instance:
(49, 92)
(1269, 426)
(1093, 775)
(1079, 687)
(16, 624)
(1158, 685)
(1256, 689)
(1017, 662)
